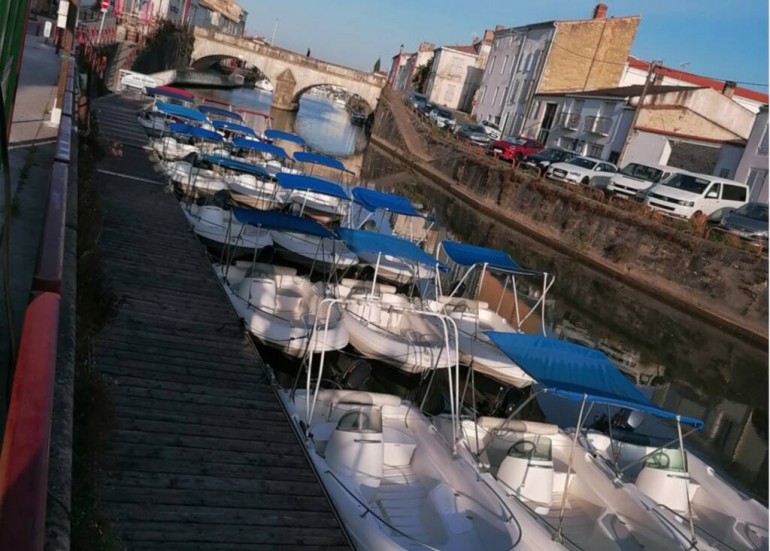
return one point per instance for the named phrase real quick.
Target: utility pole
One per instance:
(639, 104)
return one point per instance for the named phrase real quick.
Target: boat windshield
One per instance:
(642, 172)
(359, 418)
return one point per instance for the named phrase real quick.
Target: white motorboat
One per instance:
(685, 498)
(169, 148)
(395, 482)
(325, 253)
(196, 175)
(230, 130)
(185, 139)
(264, 84)
(474, 317)
(533, 464)
(283, 310)
(683, 486)
(322, 200)
(256, 191)
(219, 228)
(388, 213)
(390, 327)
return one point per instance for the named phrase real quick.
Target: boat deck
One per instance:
(201, 455)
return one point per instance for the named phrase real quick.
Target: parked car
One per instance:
(686, 193)
(425, 108)
(417, 100)
(492, 129)
(580, 170)
(748, 222)
(474, 133)
(543, 159)
(442, 118)
(514, 149)
(636, 178)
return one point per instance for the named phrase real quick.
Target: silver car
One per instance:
(474, 133)
(748, 222)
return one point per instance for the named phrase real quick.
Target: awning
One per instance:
(262, 147)
(576, 372)
(194, 131)
(180, 112)
(159, 92)
(315, 158)
(470, 255)
(178, 91)
(234, 127)
(274, 220)
(362, 242)
(272, 134)
(310, 183)
(218, 111)
(239, 166)
(372, 200)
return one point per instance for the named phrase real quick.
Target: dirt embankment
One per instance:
(716, 281)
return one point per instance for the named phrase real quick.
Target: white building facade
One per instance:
(511, 75)
(753, 166)
(454, 77)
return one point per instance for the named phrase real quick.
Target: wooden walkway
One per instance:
(202, 456)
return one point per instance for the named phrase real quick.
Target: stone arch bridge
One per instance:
(291, 74)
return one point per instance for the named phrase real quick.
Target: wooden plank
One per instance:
(202, 456)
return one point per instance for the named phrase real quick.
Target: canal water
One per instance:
(703, 371)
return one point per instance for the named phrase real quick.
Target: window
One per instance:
(568, 143)
(594, 149)
(724, 173)
(605, 167)
(762, 149)
(502, 67)
(757, 178)
(502, 97)
(492, 64)
(734, 193)
(457, 67)
(525, 90)
(494, 97)
(483, 94)
(713, 192)
(515, 91)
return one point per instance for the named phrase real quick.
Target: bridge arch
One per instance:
(299, 93)
(291, 73)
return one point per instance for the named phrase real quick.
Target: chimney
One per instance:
(489, 35)
(600, 11)
(657, 80)
(728, 88)
(499, 27)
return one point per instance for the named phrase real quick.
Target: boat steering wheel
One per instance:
(661, 459)
(523, 447)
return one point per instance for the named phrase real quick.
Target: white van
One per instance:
(686, 193)
(636, 178)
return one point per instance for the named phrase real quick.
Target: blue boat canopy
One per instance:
(372, 200)
(157, 92)
(573, 371)
(315, 158)
(218, 111)
(194, 131)
(234, 127)
(274, 220)
(273, 134)
(470, 255)
(181, 112)
(239, 166)
(262, 147)
(361, 242)
(310, 183)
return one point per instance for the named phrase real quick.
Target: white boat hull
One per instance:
(218, 229)
(325, 253)
(282, 310)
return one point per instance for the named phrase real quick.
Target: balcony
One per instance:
(598, 125)
(569, 121)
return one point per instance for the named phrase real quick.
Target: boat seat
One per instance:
(258, 292)
(517, 425)
(399, 447)
(288, 300)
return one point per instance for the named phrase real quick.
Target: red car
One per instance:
(514, 149)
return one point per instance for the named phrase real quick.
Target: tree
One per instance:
(421, 76)
(376, 66)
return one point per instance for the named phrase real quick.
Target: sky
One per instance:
(725, 39)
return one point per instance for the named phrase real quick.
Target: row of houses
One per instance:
(574, 84)
(225, 16)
